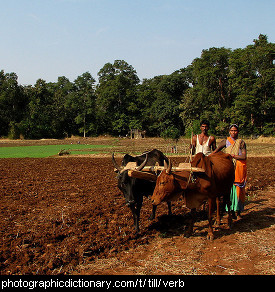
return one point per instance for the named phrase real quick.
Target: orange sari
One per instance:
(238, 189)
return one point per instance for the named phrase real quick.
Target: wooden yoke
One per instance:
(155, 169)
(181, 167)
(151, 172)
(142, 175)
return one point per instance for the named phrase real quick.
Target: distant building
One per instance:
(137, 134)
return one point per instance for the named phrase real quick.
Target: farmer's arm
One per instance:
(193, 145)
(243, 150)
(220, 146)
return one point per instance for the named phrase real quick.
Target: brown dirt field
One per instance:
(66, 216)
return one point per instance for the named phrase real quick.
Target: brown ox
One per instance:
(196, 188)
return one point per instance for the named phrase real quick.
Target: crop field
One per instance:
(42, 151)
(65, 215)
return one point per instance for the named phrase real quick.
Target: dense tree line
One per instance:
(222, 85)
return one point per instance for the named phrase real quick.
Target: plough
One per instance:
(151, 172)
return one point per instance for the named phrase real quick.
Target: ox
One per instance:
(196, 188)
(134, 189)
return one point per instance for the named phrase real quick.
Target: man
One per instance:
(237, 149)
(203, 142)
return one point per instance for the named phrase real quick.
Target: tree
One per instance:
(116, 98)
(82, 104)
(161, 97)
(210, 94)
(253, 86)
(13, 105)
(40, 119)
(63, 115)
(222, 85)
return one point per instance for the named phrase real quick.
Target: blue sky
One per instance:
(51, 38)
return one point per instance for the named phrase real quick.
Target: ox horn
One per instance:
(143, 163)
(168, 167)
(117, 167)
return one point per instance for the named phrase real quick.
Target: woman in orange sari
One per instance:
(237, 149)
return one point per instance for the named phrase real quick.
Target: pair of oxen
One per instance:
(205, 179)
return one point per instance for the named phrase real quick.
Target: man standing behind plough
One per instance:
(237, 149)
(203, 142)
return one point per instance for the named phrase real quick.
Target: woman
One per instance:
(237, 149)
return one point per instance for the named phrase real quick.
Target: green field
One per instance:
(48, 150)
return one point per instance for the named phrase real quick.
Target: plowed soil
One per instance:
(67, 216)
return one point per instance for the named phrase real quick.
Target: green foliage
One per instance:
(13, 104)
(116, 97)
(222, 85)
(160, 103)
(171, 132)
(233, 87)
